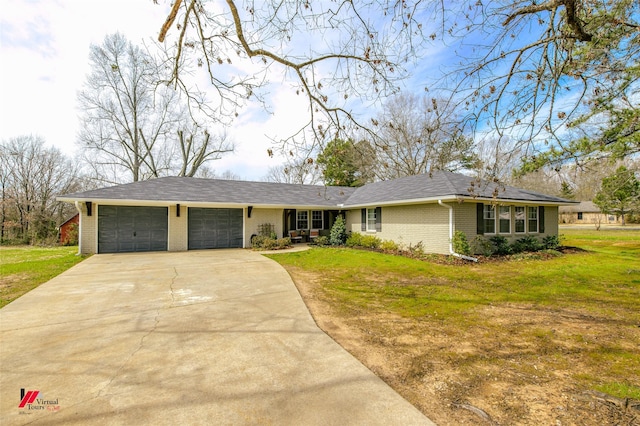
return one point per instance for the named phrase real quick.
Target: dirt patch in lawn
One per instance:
(518, 364)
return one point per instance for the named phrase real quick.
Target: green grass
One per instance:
(24, 268)
(599, 283)
(623, 390)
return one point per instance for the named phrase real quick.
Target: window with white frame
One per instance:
(489, 216)
(303, 219)
(532, 219)
(520, 219)
(504, 217)
(317, 219)
(371, 219)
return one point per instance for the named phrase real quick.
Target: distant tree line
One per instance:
(32, 175)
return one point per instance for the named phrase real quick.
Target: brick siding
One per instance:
(178, 229)
(259, 217)
(427, 224)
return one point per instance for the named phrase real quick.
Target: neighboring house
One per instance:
(68, 231)
(585, 212)
(180, 213)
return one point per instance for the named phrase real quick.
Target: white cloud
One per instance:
(254, 129)
(44, 49)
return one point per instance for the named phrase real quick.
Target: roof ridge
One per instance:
(447, 176)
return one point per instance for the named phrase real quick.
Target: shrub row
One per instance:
(266, 242)
(500, 246)
(357, 240)
(497, 245)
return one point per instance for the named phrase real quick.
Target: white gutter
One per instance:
(77, 204)
(453, 253)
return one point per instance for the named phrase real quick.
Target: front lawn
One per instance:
(526, 341)
(23, 268)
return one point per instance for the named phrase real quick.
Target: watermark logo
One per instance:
(32, 400)
(27, 398)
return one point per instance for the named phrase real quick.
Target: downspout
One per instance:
(453, 253)
(77, 204)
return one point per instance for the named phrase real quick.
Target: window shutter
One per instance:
(480, 219)
(378, 219)
(541, 219)
(293, 219)
(364, 220)
(326, 220)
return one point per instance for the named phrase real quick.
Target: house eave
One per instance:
(513, 201)
(401, 202)
(211, 204)
(458, 199)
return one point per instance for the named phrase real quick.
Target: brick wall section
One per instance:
(429, 224)
(89, 229)
(464, 218)
(409, 225)
(551, 220)
(352, 220)
(258, 217)
(178, 229)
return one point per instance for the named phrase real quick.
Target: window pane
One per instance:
(533, 219)
(505, 219)
(489, 219)
(317, 219)
(303, 219)
(520, 218)
(371, 219)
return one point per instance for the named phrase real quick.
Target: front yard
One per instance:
(525, 341)
(553, 341)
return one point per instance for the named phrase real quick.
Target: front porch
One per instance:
(308, 222)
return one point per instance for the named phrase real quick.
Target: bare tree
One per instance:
(497, 157)
(418, 134)
(195, 151)
(33, 177)
(299, 170)
(126, 115)
(532, 72)
(228, 175)
(134, 125)
(560, 77)
(330, 53)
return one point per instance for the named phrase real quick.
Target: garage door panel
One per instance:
(123, 247)
(132, 228)
(215, 228)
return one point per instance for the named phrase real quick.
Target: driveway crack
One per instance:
(156, 321)
(173, 281)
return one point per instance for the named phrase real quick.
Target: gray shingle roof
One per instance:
(397, 191)
(185, 189)
(438, 185)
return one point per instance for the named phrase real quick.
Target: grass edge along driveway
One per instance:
(23, 268)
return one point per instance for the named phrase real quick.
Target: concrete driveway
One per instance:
(205, 337)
